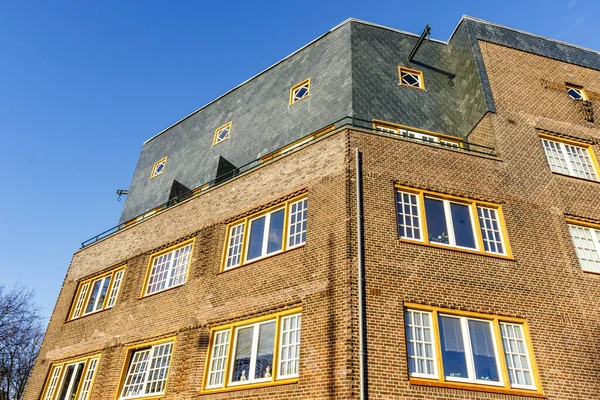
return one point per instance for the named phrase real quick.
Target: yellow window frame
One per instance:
(128, 355)
(386, 125)
(219, 129)
(411, 71)
(62, 364)
(584, 95)
(160, 253)
(233, 327)
(475, 217)
(496, 320)
(298, 86)
(246, 221)
(576, 143)
(162, 160)
(89, 281)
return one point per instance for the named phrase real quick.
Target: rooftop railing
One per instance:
(379, 128)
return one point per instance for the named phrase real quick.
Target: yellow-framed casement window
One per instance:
(72, 379)
(280, 228)
(159, 167)
(168, 268)
(146, 370)
(586, 239)
(469, 350)
(97, 293)
(411, 77)
(258, 352)
(222, 133)
(300, 91)
(452, 222)
(570, 157)
(576, 92)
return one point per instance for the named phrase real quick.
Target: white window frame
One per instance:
(169, 268)
(267, 227)
(419, 216)
(450, 223)
(234, 234)
(418, 75)
(280, 360)
(431, 327)
(79, 305)
(155, 173)
(485, 231)
(295, 89)
(527, 356)
(594, 232)
(97, 299)
(580, 90)
(288, 221)
(564, 154)
(218, 135)
(225, 357)
(253, 353)
(151, 356)
(469, 357)
(57, 377)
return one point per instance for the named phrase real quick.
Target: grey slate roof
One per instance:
(353, 72)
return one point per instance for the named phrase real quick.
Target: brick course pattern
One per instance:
(543, 284)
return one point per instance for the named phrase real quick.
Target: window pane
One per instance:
(587, 252)
(436, 221)
(93, 296)
(490, 230)
(159, 368)
(218, 359)
(290, 345)
(159, 273)
(419, 337)
(581, 164)
(463, 229)
(555, 156)
(179, 266)
(243, 353)
(264, 357)
(408, 215)
(53, 383)
(275, 239)
(257, 230)
(517, 359)
(71, 381)
(81, 300)
(115, 289)
(86, 388)
(484, 356)
(234, 250)
(297, 234)
(453, 350)
(105, 284)
(134, 382)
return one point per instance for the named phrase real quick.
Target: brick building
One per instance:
(234, 271)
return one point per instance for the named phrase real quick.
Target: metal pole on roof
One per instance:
(423, 36)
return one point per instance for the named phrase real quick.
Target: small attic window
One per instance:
(158, 168)
(576, 92)
(411, 77)
(222, 133)
(300, 91)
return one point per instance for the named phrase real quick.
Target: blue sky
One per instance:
(83, 84)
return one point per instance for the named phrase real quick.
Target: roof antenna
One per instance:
(122, 192)
(424, 35)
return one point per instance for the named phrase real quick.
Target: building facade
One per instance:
(233, 273)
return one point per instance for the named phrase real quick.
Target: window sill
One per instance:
(476, 387)
(250, 386)
(256, 260)
(439, 246)
(575, 177)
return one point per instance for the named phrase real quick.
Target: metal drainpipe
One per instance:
(361, 276)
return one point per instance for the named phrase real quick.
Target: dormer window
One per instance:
(300, 91)
(576, 92)
(158, 168)
(222, 133)
(411, 77)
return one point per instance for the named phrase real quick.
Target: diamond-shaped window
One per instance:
(159, 167)
(222, 133)
(300, 91)
(576, 93)
(409, 77)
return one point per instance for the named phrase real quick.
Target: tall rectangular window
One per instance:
(570, 158)
(475, 349)
(97, 294)
(278, 229)
(249, 353)
(587, 245)
(169, 268)
(71, 380)
(147, 370)
(449, 221)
